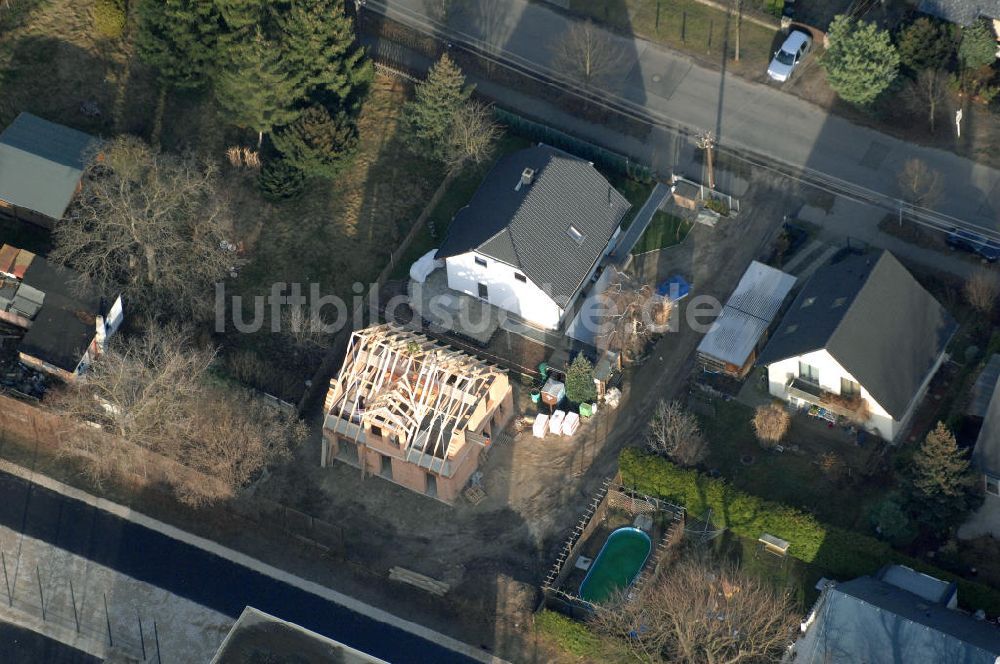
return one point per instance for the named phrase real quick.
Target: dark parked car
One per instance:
(974, 243)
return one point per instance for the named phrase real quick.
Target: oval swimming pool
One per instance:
(616, 566)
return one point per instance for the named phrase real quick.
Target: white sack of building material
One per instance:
(424, 265)
(541, 425)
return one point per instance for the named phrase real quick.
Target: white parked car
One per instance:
(796, 46)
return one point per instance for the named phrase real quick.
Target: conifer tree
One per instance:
(317, 143)
(943, 485)
(861, 61)
(429, 116)
(255, 85)
(580, 386)
(318, 40)
(179, 39)
(978, 47)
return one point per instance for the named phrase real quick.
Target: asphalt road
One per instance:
(755, 117)
(22, 646)
(197, 575)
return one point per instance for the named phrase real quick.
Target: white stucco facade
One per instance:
(504, 289)
(830, 373)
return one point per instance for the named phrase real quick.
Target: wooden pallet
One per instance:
(474, 494)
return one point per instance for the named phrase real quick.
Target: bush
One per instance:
(280, 180)
(840, 552)
(109, 18)
(770, 423)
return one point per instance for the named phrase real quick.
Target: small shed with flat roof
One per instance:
(731, 345)
(41, 163)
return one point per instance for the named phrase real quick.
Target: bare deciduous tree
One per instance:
(701, 612)
(588, 53)
(928, 94)
(675, 433)
(919, 184)
(152, 393)
(631, 314)
(770, 423)
(473, 135)
(981, 291)
(151, 224)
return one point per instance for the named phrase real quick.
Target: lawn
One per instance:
(634, 191)
(795, 478)
(665, 230)
(686, 25)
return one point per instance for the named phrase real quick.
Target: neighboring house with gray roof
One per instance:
(862, 335)
(986, 453)
(896, 617)
(41, 163)
(533, 234)
(962, 12)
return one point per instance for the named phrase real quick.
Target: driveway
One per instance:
(680, 94)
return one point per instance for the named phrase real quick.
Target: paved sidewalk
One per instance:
(755, 117)
(640, 223)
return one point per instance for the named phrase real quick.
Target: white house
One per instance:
(533, 234)
(862, 328)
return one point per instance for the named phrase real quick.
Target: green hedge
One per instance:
(578, 147)
(842, 553)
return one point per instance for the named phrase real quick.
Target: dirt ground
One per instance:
(495, 554)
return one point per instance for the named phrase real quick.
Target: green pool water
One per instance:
(616, 566)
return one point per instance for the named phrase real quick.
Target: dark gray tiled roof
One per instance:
(873, 317)
(871, 621)
(982, 390)
(528, 228)
(41, 163)
(962, 12)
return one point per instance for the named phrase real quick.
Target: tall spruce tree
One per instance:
(943, 485)
(179, 39)
(978, 47)
(255, 84)
(430, 115)
(861, 61)
(318, 40)
(239, 15)
(317, 143)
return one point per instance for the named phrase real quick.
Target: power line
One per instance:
(538, 72)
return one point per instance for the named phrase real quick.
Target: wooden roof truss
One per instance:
(411, 386)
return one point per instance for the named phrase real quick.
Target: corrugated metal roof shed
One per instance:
(982, 391)
(747, 315)
(41, 163)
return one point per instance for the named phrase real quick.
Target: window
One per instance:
(575, 234)
(808, 372)
(808, 302)
(520, 277)
(484, 292)
(849, 388)
(992, 485)
(481, 262)
(377, 431)
(839, 302)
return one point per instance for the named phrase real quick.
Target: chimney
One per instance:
(100, 333)
(527, 177)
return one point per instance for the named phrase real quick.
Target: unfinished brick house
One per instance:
(413, 411)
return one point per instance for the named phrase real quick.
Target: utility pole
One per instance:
(706, 141)
(739, 26)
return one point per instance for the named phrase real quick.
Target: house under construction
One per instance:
(413, 411)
